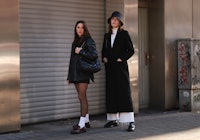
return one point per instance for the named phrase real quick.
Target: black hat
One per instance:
(118, 15)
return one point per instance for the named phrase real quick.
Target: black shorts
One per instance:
(83, 81)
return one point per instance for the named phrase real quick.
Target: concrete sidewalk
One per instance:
(172, 125)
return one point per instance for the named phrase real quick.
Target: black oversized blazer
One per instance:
(75, 74)
(118, 94)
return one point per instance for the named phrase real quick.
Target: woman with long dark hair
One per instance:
(81, 79)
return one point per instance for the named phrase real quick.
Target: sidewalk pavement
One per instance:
(150, 125)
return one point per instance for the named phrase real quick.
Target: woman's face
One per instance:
(80, 29)
(115, 22)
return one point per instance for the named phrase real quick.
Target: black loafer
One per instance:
(87, 125)
(111, 124)
(78, 130)
(131, 127)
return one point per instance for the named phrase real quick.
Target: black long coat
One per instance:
(75, 74)
(118, 94)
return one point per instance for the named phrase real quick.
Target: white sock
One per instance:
(82, 122)
(87, 118)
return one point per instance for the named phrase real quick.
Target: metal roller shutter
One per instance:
(46, 34)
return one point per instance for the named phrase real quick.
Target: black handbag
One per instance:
(88, 65)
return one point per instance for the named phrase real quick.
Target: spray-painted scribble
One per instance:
(196, 98)
(195, 80)
(197, 51)
(183, 55)
(183, 75)
(195, 65)
(184, 58)
(186, 106)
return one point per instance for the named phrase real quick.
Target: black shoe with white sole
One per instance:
(111, 124)
(131, 127)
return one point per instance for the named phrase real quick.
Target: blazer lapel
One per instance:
(109, 41)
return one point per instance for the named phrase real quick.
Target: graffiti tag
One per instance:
(183, 56)
(196, 98)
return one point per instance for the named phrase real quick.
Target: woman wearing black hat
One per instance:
(117, 49)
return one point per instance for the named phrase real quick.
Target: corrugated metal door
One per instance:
(46, 34)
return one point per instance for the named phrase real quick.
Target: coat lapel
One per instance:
(109, 41)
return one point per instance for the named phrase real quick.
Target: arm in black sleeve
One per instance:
(69, 63)
(129, 50)
(103, 51)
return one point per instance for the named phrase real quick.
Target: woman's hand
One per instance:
(119, 60)
(105, 60)
(77, 50)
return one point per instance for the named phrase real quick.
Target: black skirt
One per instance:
(83, 81)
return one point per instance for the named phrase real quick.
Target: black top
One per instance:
(75, 74)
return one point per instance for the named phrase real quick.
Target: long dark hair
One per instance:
(86, 33)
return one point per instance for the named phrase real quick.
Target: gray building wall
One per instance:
(169, 20)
